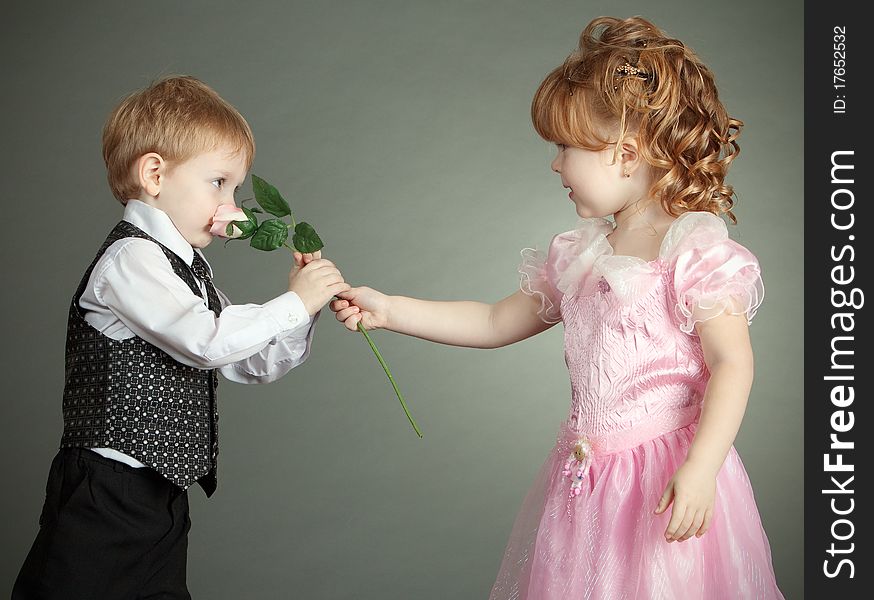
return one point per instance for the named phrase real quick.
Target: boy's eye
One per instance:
(218, 182)
(560, 147)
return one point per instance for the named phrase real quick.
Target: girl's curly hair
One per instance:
(626, 77)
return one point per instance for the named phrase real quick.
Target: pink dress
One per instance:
(586, 529)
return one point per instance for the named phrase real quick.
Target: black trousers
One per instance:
(107, 531)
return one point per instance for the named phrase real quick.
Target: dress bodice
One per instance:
(631, 348)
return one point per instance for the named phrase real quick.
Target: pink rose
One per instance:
(224, 216)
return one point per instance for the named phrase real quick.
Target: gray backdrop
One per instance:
(401, 131)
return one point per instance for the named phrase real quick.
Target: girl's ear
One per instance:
(150, 169)
(629, 156)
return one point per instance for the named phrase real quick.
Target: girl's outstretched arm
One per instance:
(469, 324)
(725, 341)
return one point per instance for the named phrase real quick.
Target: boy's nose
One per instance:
(555, 165)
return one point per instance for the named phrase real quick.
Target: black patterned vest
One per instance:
(135, 398)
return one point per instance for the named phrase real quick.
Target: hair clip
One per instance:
(627, 70)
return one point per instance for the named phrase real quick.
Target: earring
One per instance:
(626, 174)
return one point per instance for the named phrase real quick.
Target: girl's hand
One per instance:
(692, 489)
(364, 305)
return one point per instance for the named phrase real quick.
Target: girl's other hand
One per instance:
(364, 305)
(692, 490)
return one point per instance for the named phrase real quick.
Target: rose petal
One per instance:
(218, 229)
(229, 212)
(224, 214)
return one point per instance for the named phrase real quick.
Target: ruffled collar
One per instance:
(590, 257)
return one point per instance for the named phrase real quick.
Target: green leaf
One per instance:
(250, 212)
(305, 238)
(271, 234)
(269, 198)
(247, 227)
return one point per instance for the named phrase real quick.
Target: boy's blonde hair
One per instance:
(176, 117)
(628, 77)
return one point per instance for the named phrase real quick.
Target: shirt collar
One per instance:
(158, 224)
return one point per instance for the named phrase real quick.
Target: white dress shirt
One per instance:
(133, 291)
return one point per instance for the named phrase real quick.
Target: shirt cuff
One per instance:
(288, 311)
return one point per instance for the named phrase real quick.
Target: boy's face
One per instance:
(190, 192)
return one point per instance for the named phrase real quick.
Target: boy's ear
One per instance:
(150, 169)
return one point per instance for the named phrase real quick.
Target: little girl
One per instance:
(656, 305)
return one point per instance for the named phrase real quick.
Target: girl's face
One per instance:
(597, 183)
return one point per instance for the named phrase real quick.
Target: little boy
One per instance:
(147, 332)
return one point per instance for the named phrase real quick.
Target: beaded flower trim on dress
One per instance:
(577, 465)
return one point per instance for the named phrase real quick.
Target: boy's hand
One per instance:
(364, 305)
(301, 260)
(692, 488)
(315, 280)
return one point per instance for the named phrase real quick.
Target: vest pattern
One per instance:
(135, 398)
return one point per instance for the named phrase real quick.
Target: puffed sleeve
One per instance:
(713, 274)
(538, 279)
(559, 272)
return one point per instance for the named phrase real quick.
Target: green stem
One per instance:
(384, 367)
(390, 378)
